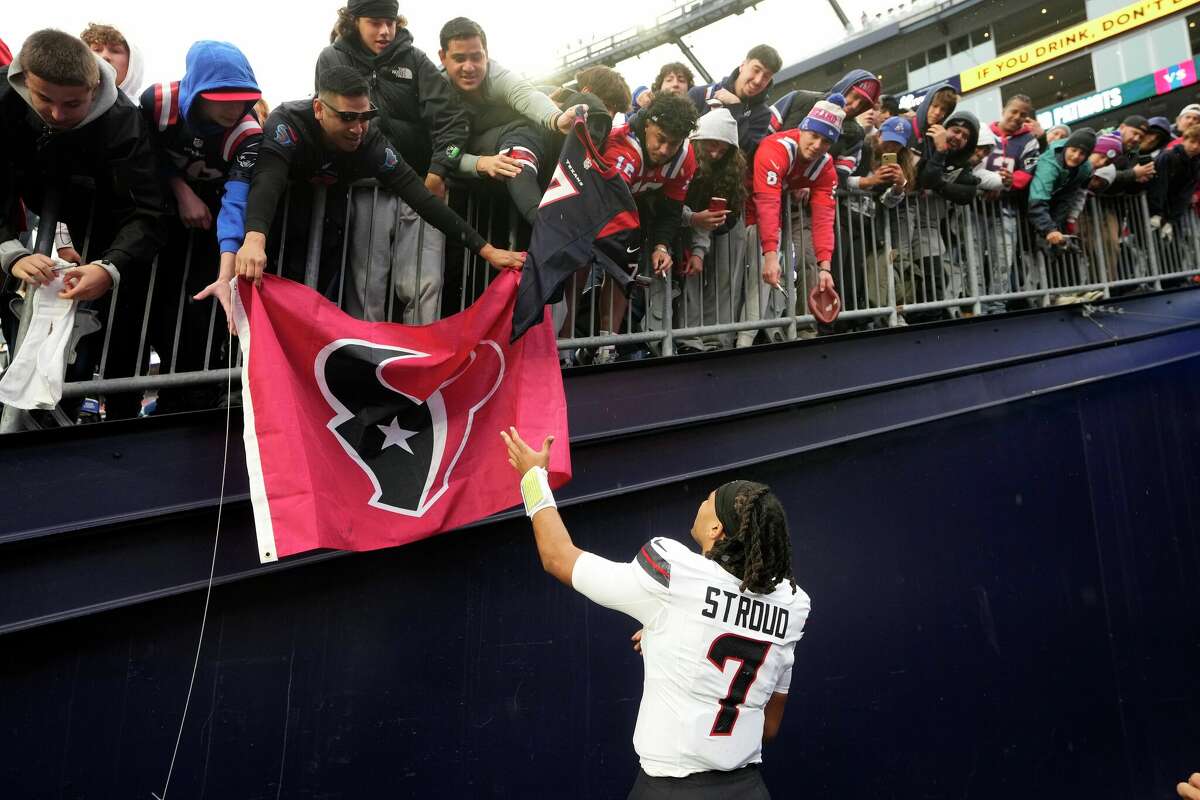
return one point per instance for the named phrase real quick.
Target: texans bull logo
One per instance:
(407, 448)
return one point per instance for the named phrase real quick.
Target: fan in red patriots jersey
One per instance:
(653, 155)
(789, 161)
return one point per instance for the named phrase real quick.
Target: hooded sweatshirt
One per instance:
(1175, 179)
(1017, 152)
(919, 144)
(790, 110)
(1055, 187)
(135, 73)
(217, 163)
(110, 146)
(418, 112)
(948, 173)
(753, 116)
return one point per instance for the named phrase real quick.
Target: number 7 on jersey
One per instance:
(750, 654)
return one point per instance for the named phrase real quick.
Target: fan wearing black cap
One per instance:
(329, 139)
(1132, 171)
(428, 127)
(1062, 172)
(719, 630)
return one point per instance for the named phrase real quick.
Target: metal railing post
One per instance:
(973, 270)
(1150, 240)
(668, 345)
(1096, 228)
(893, 318)
(316, 227)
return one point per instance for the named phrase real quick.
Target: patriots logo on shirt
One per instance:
(407, 447)
(389, 159)
(284, 134)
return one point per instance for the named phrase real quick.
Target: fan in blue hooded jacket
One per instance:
(206, 137)
(861, 90)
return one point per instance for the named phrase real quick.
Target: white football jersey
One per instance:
(713, 655)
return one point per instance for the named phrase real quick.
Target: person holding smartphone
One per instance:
(715, 201)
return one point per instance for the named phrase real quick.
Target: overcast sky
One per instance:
(283, 40)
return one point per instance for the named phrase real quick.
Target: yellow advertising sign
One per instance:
(1069, 40)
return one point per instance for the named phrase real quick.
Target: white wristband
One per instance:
(535, 491)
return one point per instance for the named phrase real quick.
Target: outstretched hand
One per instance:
(521, 456)
(221, 290)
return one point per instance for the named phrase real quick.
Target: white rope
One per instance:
(211, 572)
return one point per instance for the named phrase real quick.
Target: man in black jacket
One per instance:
(428, 126)
(328, 140)
(62, 119)
(744, 93)
(946, 177)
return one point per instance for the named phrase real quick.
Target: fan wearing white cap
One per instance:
(989, 181)
(794, 160)
(1188, 116)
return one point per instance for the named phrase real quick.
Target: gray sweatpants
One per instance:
(392, 247)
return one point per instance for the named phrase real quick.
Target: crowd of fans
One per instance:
(193, 170)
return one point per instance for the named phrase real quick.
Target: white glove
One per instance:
(1167, 232)
(1155, 222)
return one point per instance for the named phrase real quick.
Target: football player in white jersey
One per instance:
(719, 630)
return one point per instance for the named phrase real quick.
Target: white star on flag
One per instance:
(395, 435)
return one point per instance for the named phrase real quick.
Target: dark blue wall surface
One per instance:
(1005, 605)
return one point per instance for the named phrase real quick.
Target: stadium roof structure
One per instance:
(668, 28)
(922, 17)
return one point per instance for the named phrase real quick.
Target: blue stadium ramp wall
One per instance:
(996, 519)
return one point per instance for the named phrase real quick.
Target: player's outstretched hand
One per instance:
(1191, 789)
(523, 457)
(637, 641)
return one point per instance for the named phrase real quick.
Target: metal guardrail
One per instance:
(922, 260)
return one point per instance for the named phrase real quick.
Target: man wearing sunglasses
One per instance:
(330, 140)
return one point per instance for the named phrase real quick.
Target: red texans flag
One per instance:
(361, 435)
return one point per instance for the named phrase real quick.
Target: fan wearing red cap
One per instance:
(206, 138)
(788, 162)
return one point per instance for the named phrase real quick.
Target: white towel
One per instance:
(34, 379)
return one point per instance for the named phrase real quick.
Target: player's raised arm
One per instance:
(557, 551)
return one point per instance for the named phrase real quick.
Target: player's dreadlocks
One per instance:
(758, 549)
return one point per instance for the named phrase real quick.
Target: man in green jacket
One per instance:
(511, 121)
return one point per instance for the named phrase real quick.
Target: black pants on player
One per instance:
(740, 784)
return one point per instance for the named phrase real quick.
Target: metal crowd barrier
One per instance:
(922, 260)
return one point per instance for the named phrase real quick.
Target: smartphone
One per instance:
(718, 204)
(1145, 158)
(888, 159)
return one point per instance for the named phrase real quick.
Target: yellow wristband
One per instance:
(535, 491)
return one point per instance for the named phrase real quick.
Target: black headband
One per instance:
(377, 9)
(726, 512)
